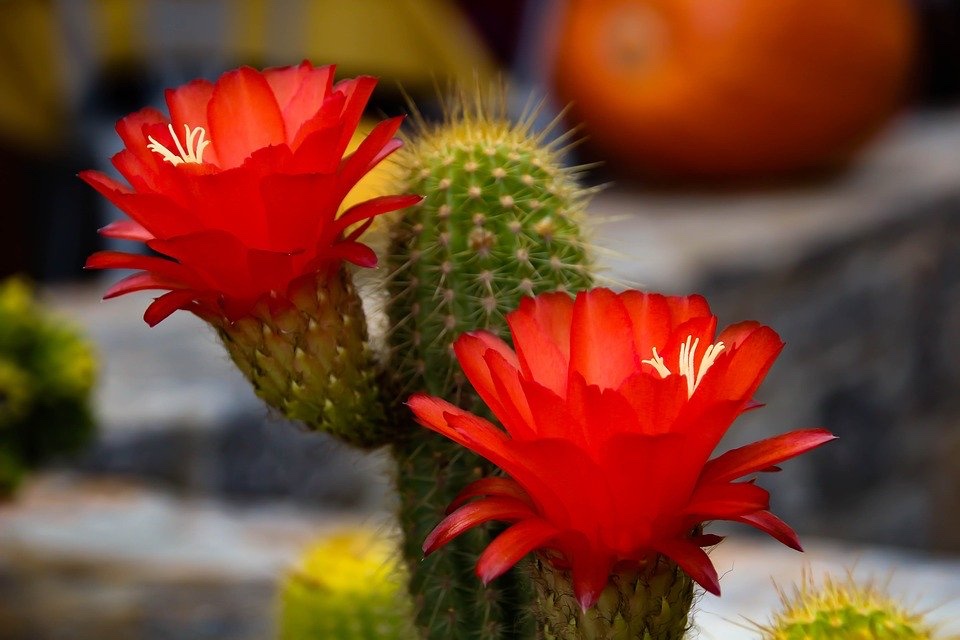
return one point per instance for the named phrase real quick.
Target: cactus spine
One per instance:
(502, 219)
(347, 587)
(843, 610)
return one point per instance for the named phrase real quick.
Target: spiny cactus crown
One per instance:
(502, 219)
(844, 610)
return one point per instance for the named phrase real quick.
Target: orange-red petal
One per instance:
(473, 514)
(598, 350)
(244, 116)
(758, 456)
(511, 546)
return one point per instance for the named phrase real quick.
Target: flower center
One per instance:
(195, 144)
(686, 366)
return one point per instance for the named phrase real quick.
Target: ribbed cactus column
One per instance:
(651, 602)
(502, 219)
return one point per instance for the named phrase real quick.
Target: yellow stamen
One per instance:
(687, 366)
(193, 154)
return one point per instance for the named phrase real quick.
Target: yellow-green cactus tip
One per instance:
(844, 610)
(348, 586)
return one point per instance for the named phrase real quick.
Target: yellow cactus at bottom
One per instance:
(845, 610)
(347, 587)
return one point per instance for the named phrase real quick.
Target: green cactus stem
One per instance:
(651, 602)
(347, 587)
(310, 359)
(502, 218)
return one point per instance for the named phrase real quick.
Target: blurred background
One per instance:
(797, 162)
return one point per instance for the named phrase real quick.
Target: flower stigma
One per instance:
(193, 154)
(686, 366)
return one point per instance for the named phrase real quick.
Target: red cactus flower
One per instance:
(239, 188)
(611, 407)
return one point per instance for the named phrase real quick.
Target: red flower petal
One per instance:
(656, 401)
(684, 308)
(511, 546)
(694, 561)
(158, 266)
(233, 203)
(606, 413)
(648, 477)
(215, 256)
(285, 82)
(590, 573)
(773, 526)
(155, 213)
(543, 342)
(570, 488)
(549, 414)
(597, 348)
(353, 252)
(372, 208)
(650, 317)
(462, 427)
(492, 486)
(757, 456)
(131, 128)
(470, 349)
(739, 371)
(126, 230)
(553, 314)
(166, 304)
(188, 107)
(315, 86)
(514, 404)
(734, 335)
(244, 116)
(140, 282)
(357, 92)
(726, 501)
(305, 206)
(375, 147)
(317, 153)
(474, 514)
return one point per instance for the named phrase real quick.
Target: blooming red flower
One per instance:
(240, 188)
(612, 406)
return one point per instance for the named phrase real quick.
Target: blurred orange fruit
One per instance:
(732, 88)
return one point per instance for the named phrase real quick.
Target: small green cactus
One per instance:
(844, 610)
(47, 371)
(348, 587)
(502, 218)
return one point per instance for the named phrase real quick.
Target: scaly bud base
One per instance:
(651, 602)
(308, 357)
